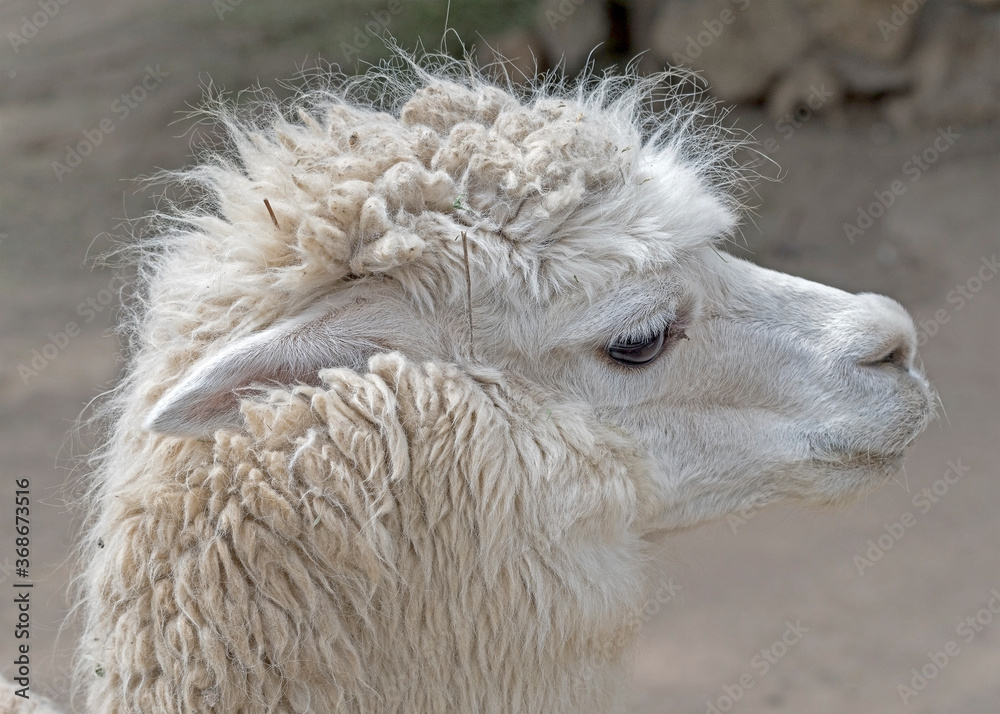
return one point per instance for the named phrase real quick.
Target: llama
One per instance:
(415, 389)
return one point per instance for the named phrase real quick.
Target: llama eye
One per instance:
(637, 352)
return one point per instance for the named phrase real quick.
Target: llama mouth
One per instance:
(884, 445)
(837, 481)
(849, 457)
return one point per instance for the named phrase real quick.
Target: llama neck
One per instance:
(404, 540)
(499, 557)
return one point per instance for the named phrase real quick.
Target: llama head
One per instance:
(568, 241)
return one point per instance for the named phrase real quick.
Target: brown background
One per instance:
(734, 585)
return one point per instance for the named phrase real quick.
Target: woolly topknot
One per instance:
(361, 187)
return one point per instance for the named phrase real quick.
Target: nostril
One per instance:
(885, 336)
(896, 355)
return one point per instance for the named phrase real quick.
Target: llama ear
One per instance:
(292, 351)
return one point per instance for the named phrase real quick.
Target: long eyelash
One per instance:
(675, 326)
(651, 332)
(635, 337)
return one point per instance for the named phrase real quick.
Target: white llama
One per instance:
(413, 393)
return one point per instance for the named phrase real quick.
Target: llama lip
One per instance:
(852, 455)
(870, 448)
(898, 419)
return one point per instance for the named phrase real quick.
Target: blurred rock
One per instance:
(739, 45)
(872, 78)
(873, 29)
(812, 85)
(916, 63)
(956, 70)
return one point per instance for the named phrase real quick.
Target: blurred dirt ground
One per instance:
(731, 591)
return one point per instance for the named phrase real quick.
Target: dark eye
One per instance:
(637, 352)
